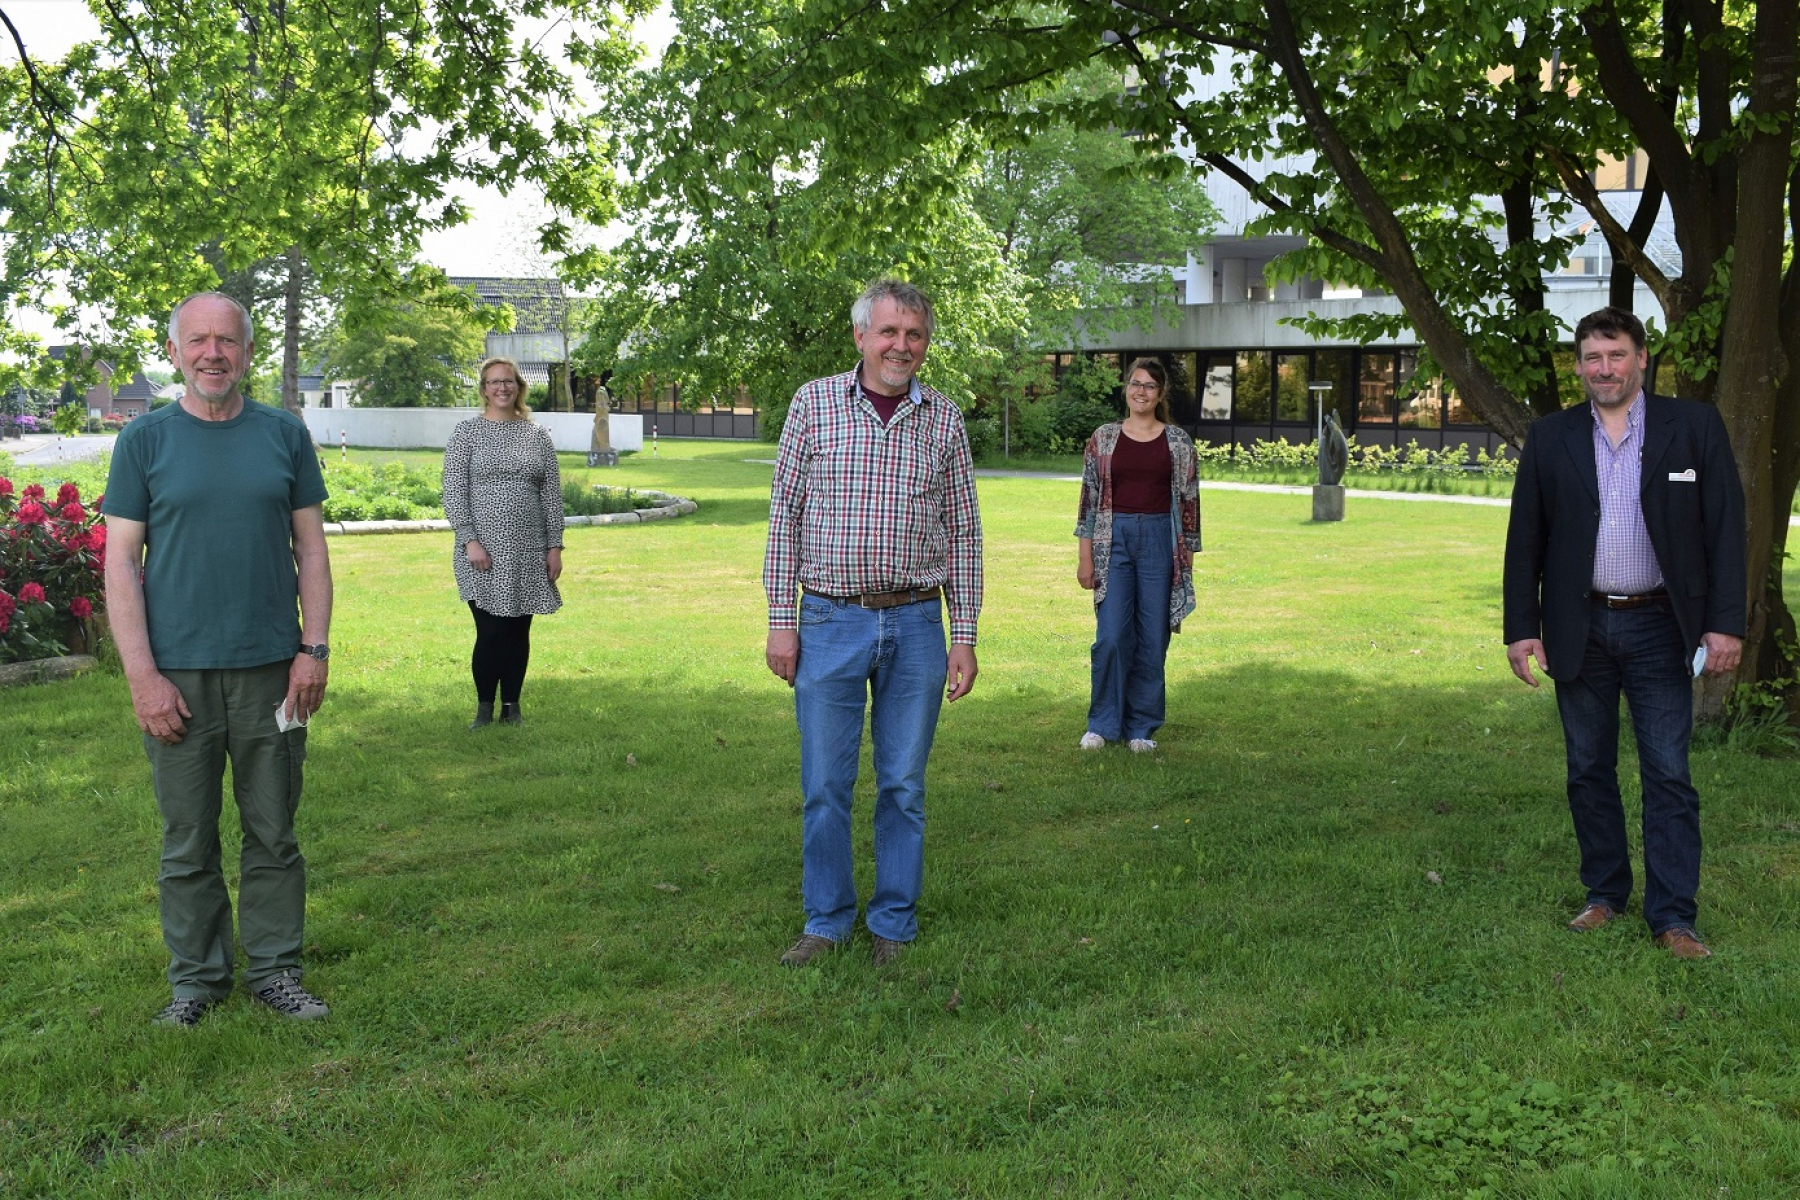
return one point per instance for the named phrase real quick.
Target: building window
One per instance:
(1215, 392)
(1251, 403)
(1293, 402)
(1421, 405)
(1375, 390)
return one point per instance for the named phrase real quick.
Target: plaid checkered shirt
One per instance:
(1624, 560)
(858, 506)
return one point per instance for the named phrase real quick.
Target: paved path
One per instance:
(1280, 489)
(48, 449)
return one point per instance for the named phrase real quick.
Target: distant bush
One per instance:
(385, 492)
(581, 501)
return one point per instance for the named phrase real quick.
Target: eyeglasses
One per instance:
(1137, 386)
(511, 383)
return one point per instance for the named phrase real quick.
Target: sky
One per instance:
(499, 240)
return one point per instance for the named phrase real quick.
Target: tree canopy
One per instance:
(193, 145)
(746, 257)
(415, 350)
(1440, 151)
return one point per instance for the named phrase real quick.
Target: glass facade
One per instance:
(1230, 396)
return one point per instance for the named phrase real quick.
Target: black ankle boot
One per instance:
(484, 715)
(510, 715)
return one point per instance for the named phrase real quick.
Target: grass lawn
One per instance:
(1311, 948)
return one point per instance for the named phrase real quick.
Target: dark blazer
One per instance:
(1693, 507)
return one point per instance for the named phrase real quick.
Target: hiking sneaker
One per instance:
(184, 1012)
(1142, 746)
(886, 951)
(284, 994)
(809, 947)
(1092, 741)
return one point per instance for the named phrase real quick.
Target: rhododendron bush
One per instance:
(52, 556)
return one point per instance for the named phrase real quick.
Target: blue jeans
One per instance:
(1638, 652)
(1132, 640)
(893, 661)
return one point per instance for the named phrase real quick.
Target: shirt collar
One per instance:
(1634, 415)
(853, 388)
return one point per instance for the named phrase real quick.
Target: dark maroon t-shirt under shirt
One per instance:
(1141, 472)
(885, 406)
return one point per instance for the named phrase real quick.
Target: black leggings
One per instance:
(502, 652)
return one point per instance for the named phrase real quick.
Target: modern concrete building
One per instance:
(1243, 372)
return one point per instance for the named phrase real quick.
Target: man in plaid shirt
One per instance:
(873, 530)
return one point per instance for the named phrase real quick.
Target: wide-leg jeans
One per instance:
(892, 662)
(1131, 643)
(1638, 652)
(233, 717)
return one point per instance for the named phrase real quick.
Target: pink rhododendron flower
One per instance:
(31, 512)
(34, 491)
(5, 487)
(68, 493)
(81, 608)
(72, 511)
(32, 593)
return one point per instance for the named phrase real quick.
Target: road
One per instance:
(47, 449)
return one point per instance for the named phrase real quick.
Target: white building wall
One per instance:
(429, 428)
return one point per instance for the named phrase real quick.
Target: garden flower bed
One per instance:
(52, 556)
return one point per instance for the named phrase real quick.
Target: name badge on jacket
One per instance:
(1686, 476)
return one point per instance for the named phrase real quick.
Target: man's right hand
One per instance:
(783, 653)
(1520, 653)
(159, 708)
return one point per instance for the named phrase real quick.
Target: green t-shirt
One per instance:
(217, 501)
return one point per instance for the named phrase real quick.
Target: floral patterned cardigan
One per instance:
(1095, 519)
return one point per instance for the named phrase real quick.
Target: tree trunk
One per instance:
(1751, 360)
(293, 293)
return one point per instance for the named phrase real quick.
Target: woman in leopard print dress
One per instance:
(503, 497)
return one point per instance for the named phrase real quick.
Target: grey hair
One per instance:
(243, 315)
(907, 296)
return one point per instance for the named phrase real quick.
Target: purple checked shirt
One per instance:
(859, 505)
(1624, 560)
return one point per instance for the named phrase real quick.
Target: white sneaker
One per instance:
(1142, 746)
(1092, 741)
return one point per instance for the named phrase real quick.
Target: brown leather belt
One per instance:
(1614, 601)
(882, 599)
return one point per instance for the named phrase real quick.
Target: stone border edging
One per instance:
(43, 670)
(671, 507)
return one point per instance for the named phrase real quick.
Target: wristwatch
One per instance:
(319, 651)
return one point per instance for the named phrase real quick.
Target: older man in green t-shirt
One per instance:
(214, 536)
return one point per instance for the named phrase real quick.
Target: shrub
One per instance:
(580, 500)
(52, 563)
(984, 435)
(385, 492)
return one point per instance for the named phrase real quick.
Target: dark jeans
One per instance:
(502, 652)
(1638, 652)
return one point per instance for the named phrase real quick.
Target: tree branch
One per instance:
(1576, 182)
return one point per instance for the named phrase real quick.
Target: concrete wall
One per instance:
(429, 428)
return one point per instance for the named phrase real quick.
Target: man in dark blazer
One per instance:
(1625, 573)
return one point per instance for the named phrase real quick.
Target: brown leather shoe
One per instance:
(809, 947)
(886, 951)
(1683, 944)
(1592, 917)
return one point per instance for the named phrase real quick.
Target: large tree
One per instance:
(209, 144)
(416, 350)
(745, 257)
(1441, 151)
